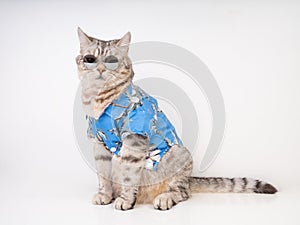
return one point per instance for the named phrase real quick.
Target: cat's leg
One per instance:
(127, 169)
(178, 190)
(103, 166)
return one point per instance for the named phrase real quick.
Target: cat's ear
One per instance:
(125, 40)
(83, 39)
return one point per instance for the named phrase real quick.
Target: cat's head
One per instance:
(102, 62)
(104, 69)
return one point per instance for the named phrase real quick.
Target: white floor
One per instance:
(69, 203)
(253, 51)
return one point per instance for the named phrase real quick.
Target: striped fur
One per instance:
(99, 85)
(124, 178)
(128, 170)
(227, 185)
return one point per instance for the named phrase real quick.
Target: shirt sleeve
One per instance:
(90, 132)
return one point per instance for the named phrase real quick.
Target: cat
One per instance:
(138, 154)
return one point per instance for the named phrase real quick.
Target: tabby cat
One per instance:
(139, 156)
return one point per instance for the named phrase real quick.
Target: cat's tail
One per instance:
(230, 185)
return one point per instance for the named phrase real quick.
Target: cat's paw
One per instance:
(123, 204)
(101, 199)
(163, 201)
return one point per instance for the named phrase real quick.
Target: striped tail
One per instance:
(230, 185)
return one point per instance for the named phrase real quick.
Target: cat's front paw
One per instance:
(163, 201)
(123, 204)
(101, 199)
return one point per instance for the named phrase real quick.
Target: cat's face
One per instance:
(104, 69)
(100, 63)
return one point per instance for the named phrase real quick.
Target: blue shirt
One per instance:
(135, 112)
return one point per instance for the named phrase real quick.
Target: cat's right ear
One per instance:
(83, 39)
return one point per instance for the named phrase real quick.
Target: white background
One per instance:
(251, 47)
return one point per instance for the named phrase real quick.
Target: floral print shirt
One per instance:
(135, 112)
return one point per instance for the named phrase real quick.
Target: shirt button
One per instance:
(134, 99)
(113, 149)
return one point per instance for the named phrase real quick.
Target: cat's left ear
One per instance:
(125, 40)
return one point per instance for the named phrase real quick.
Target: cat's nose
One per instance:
(100, 70)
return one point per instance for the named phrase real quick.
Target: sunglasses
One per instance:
(110, 62)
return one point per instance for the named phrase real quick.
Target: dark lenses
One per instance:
(111, 62)
(89, 59)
